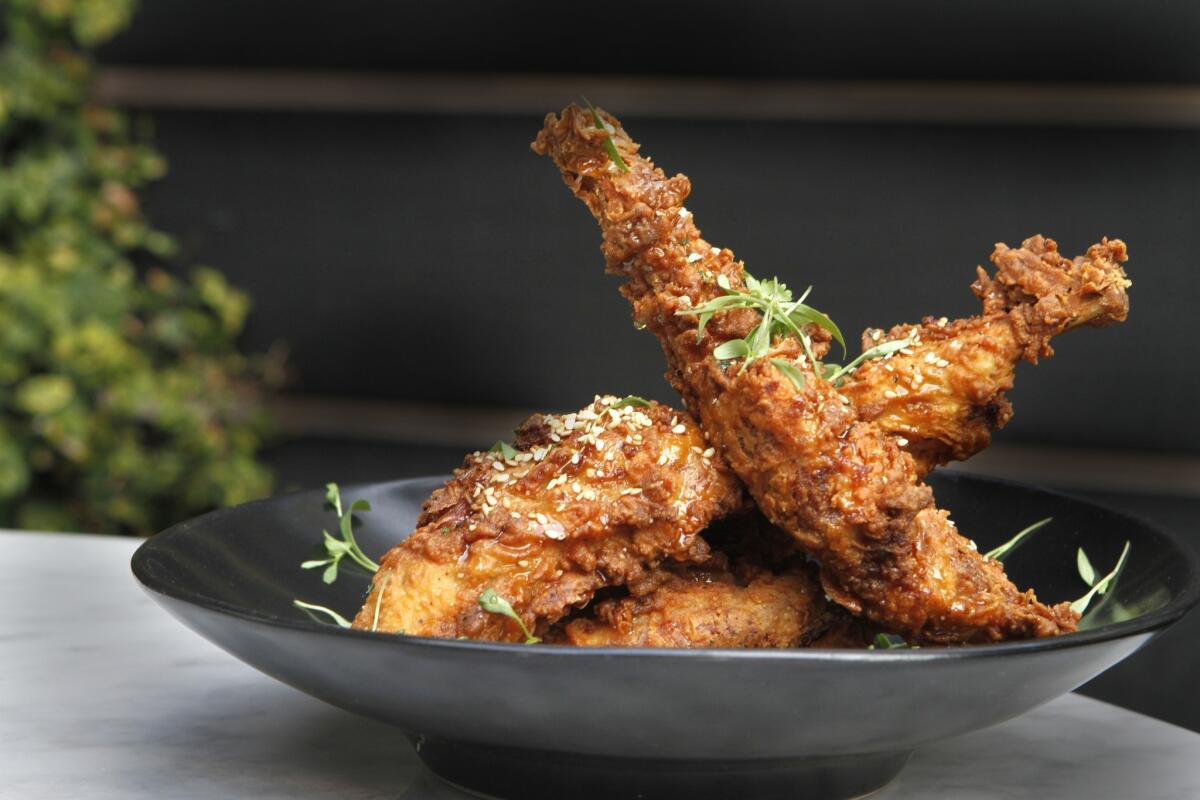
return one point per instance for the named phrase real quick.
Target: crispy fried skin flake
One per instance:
(840, 485)
(945, 393)
(592, 499)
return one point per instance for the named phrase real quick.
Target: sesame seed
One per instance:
(876, 335)
(902, 442)
(709, 452)
(679, 429)
(941, 362)
(631, 490)
(541, 518)
(716, 251)
(889, 393)
(694, 257)
(522, 562)
(496, 465)
(930, 358)
(943, 322)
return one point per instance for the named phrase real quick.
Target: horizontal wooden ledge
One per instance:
(471, 428)
(1147, 105)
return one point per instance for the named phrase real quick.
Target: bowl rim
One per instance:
(1184, 601)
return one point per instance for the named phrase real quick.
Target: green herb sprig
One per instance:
(337, 618)
(503, 449)
(888, 641)
(1002, 552)
(387, 576)
(782, 315)
(1088, 573)
(337, 549)
(631, 400)
(493, 603)
(608, 142)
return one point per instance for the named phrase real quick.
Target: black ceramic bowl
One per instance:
(514, 721)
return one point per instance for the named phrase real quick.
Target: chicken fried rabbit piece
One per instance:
(591, 499)
(715, 606)
(944, 394)
(840, 485)
(755, 591)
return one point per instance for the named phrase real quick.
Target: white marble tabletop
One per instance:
(102, 695)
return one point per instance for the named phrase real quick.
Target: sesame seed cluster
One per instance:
(583, 457)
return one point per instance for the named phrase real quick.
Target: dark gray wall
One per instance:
(437, 259)
(1041, 40)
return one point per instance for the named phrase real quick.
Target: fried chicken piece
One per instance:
(756, 590)
(944, 394)
(710, 606)
(841, 486)
(591, 499)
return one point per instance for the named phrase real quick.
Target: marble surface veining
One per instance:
(103, 695)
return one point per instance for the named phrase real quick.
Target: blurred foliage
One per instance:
(124, 403)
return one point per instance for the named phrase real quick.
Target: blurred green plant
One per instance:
(124, 403)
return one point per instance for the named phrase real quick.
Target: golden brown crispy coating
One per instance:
(710, 606)
(945, 393)
(592, 499)
(840, 485)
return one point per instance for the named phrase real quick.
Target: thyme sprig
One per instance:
(493, 603)
(1000, 553)
(337, 618)
(503, 449)
(337, 549)
(782, 315)
(608, 142)
(1088, 573)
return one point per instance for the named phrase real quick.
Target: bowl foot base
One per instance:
(516, 774)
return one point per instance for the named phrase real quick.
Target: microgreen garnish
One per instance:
(337, 618)
(503, 449)
(781, 315)
(789, 369)
(888, 641)
(337, 549)
(1002, 552)
(379, 600)
(608, 142)
(631, 400)
(1088, 574)
(493, 603)
(878, 351)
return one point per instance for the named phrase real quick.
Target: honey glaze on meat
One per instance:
(840, 485)
(590, 499)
